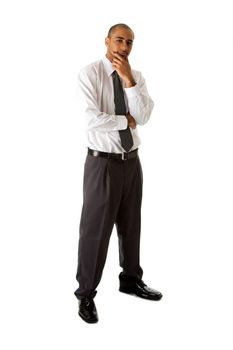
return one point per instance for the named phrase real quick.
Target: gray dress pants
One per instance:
(112, 194)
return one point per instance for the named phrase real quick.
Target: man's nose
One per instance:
(124, 46)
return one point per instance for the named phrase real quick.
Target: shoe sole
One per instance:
(88, 321)
(126, 291)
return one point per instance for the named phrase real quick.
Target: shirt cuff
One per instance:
(132, 91)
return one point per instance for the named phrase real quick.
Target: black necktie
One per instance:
(120, 109)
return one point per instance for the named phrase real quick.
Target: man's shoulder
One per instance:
(138, 77)
(93, 67)
(136, 73)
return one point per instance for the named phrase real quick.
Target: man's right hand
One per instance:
(131, 121)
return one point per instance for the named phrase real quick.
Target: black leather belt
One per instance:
(120, 156)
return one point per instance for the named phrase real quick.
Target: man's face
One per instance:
(121, 42)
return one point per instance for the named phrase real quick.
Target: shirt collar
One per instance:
(108, 66)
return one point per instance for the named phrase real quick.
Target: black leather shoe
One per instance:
(87, 310)
(141, 290)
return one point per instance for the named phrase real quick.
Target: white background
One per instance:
(185, 51)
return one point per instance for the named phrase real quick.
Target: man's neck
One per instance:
(109, 57)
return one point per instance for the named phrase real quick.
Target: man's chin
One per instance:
(123, 55)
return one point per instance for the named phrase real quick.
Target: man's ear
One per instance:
(107, 41)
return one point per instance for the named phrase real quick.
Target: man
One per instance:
(117, 101)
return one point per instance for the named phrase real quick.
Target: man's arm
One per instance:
(140, 103)
(97, 120)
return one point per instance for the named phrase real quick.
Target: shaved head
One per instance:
(119, 41)
(119, 25)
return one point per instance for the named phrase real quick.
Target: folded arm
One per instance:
(96, 119)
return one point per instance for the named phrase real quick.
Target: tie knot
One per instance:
(115, 75)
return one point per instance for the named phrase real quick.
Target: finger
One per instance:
(115, 65)
(118, 56)
(116, 60)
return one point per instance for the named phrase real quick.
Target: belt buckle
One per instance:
(124, 156)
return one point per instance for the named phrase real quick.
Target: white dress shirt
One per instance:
(95, 81)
